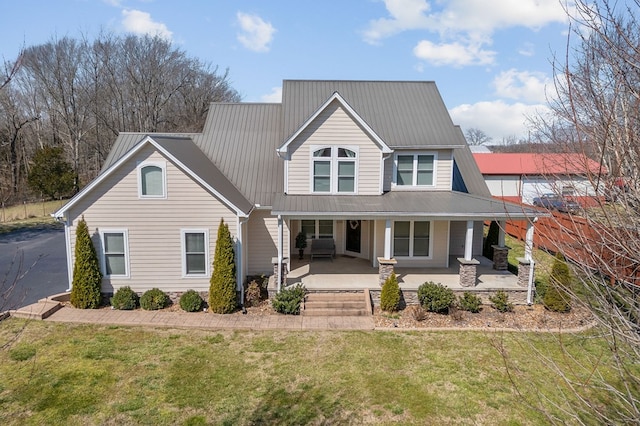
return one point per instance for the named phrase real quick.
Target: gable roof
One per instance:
(536, 164)
(404, 114)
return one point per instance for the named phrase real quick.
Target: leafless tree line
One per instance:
(596, 112)
(79, 94)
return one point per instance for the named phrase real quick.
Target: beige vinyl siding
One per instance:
(263, 242)
(444, 170)
(334, 127)
(153, 225)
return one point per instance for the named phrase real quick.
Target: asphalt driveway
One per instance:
(33, 265)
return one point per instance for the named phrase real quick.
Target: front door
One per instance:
(353, 237)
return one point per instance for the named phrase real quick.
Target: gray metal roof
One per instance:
(405, 114)
(427, 204)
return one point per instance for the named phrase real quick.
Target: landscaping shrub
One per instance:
(416, 313)
(288, 301)
(87, 278)
(222, 291)
(556, 298)
(390, 294)
(253, 294)
(500, 301)
(436, 297)
(470, 302)
(125, 299)
(154, 299)
(190, 301)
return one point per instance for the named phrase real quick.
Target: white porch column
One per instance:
(528, 255)
(468, 242)
(280, 250)
(387, 239)
(501, 227)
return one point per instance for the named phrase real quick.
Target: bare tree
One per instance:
(476, 136)
(597, 113)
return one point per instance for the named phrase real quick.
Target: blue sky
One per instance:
(489, 58)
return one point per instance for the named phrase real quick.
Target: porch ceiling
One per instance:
(427, 204)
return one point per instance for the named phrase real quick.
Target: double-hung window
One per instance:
(334, 170)
(317, 228)
(415, 169)
(152, 180)
(411, 238)
(115, 259)
(195, 253)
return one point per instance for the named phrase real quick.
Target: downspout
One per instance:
(240, 258)
(280, 248)
(528, 250)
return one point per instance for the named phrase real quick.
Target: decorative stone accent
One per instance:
(385, 269)
(524, 269)
(285, 269)
(500, 257)
(468, 272)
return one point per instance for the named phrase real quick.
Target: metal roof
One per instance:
(405, 114)
(427, 204)
(536, 164)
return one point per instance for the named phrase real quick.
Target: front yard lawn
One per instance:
(85, 374)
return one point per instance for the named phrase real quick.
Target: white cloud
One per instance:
(274, 97)
(497, 119)
(455, 54)
(405, 15)
(139, 22)
(522, 85)
(256, 34)
(527, 49)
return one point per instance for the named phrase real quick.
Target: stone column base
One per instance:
(524, 269)
(385, 269)
(500, 257)
(285, 270)
(468, 272)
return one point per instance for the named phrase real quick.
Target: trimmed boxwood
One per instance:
(436, 297)
(470, 302)
(154, 299)
(191, 301)
(125, 299)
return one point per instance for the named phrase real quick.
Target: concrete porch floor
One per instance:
(349, 273)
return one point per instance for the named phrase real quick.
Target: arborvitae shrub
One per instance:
(87, 278)
(556, 298)
(154, 299)
(222, 291)
(436, 297)
(470, 302)
(288, 300)
(125, 299)
(190, 301)
(491, 240)
(390, 294)
(253, 294)
(500, 301)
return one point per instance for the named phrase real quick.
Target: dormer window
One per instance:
(152, 180)
(334, 170)
(414, 169)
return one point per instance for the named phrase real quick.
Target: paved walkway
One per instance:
(208, 320)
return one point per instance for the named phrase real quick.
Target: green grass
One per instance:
(83, 374)
(30, 215)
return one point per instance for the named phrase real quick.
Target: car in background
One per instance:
(556, 202)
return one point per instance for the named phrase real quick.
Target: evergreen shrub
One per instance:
(491, 240)
(87, 278)
(222, 289)
(470, 302)
(390, 294)
(288, 300)
(556, 297)
(190, 301)
(500, 301)
(125, 299)
(436, 297)
(154, 299)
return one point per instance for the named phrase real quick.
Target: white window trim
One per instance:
(333, 166)
(183, 252)
(163, 166)
(413, 186)
(103, 258)
(411, 235)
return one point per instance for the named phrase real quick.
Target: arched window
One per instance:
(334, 170)
(151, 180)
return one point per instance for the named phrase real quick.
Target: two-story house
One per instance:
(377, 166)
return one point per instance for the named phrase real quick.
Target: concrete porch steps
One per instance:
(39, 310)
(337, 304)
